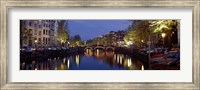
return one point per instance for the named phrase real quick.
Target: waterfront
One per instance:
(99, 60)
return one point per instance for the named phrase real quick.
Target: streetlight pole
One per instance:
(149, 46)
(163, 36)
(35, 47)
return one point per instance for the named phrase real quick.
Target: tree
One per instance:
(164, 26)
(63, 32)
(137, 32)
(76, 40)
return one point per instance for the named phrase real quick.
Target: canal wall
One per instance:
(28, 56)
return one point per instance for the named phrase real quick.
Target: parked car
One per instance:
(49, 48)
(151, 51)
(28, 49)
(53, 48)
(63, 48)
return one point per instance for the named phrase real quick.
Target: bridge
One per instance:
(105, 48)
(91, 48)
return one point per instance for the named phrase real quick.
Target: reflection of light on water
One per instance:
(97, 52)
(119, 58)
(64, 60)
(88, 52)
(142, 67)
(68, 61)
(120, 61)
(62, 66)
(129, 62)
(110, 55)
(77, 60)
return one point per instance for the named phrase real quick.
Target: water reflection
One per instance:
(88, 52)
(77, 60)
(90, 60)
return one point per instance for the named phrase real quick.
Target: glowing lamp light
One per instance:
(163, 35)
(129, 43)
(35, 41)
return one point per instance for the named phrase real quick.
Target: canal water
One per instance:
(98, 60)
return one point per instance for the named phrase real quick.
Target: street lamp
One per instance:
(68, 43)
(35, 43)
(35, 48)
(142, 42)
(163, 36)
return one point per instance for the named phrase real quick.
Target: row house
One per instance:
(38, 33)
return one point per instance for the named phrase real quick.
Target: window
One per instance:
(25, 30)
(35, 25)
(43, 40)
(39, 40)
(30, 31)
(43, 31)
(35, 32)
(46, 32)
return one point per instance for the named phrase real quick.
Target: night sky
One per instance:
(89, 29)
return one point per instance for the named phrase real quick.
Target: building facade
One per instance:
(38, 33)
(115, 38)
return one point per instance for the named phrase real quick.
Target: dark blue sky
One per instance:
(88, 29)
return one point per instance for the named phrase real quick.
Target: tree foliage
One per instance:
(141, 29)
(63, 31)
(76, 40)
(137, 31)
(162, 25)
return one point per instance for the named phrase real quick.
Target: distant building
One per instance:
(116, 37)
(40, 33)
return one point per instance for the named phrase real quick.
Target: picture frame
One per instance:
(4, 43)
